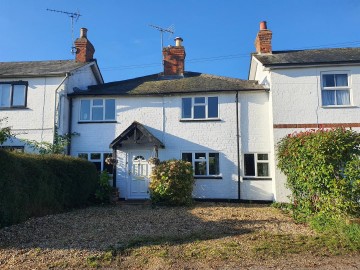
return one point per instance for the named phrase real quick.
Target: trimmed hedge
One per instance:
(37, 185)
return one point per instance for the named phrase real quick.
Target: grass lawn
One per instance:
(204, 236)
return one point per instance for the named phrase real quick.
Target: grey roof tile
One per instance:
(38, 68)
(157, 84)
(310, 57)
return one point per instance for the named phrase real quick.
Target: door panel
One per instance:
(139, 172)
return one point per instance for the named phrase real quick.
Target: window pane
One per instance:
(200, 156)
(98, 166)
(97, 102)
(328, 80)
(214, 164)
(83, 155)
(341, 79)
(5, 95)
(263, 169)
(18, 95)
(249, 164)
(85, 110)
(110, 109)
(199, 112)
(186, 108)
(107, 167)
(200, 168)
(213, 107)
(95, 156)
(343, 97)
(97, 113)
(199, 100)
(262, 156)
(187, 157)
(328, 97)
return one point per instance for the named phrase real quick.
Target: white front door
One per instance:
(139, 172)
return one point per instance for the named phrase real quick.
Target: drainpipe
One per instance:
(238, 142)
(55, 103)
(68, 150)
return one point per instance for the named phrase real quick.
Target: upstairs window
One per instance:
(335, 89)
(13, 94)
(200, 108)
(256, 165)
(97, 109)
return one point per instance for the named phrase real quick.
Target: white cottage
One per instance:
(217, 123)
(33, 95)
(308, 89)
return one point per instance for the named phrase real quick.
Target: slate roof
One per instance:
(38, 68)
(310, 57)
(156, 84)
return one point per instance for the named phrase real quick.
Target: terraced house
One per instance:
(226, 127)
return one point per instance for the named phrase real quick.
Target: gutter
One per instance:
(238, 143)
(67, 75)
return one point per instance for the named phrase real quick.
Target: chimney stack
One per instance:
(263, 39)
(84, 49)
(174, 59)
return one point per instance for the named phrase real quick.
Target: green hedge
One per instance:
(323, 172)
(36, 185)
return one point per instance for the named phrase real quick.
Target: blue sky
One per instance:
(218, 34)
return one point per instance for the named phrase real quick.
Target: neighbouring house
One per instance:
(309, 89)
(33, 94)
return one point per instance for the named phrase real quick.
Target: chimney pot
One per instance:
(263, 25)
(178, 41)
(83, 33)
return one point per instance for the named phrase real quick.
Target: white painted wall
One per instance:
(161, 115)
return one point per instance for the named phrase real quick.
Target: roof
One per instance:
(38, 68)
(310, 57)
(136, 133)
(157, 84)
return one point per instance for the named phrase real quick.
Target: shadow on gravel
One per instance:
(124, 226)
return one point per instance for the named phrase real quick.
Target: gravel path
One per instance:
(75, 239)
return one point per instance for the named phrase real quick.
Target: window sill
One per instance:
(208, 177)
(339, 106)
(13, 108)
(97, 122)
(253, 178)
(201, 120)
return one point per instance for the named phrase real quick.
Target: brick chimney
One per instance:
(174, 59)
(84, 49)
(263, 39)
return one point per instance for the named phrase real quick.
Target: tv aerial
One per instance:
(170, 30)
(74, 16)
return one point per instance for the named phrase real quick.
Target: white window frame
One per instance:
(256, 161)
(101, 160)
(91, 100)
(335, 88)
(206, 160)
(205, 104)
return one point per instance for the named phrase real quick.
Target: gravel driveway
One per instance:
(127, 236)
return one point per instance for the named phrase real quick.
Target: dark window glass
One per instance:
(199, 100)
(262, 157)
(97, 165)
(18, 98)
(199, 112)
(341, 79)
(85, 110)
(110, 109)
(263, 169)
(187, 157)
(5, 95)
(97, 102)
(83, 155)
(214, 164)
(95, 156)
(249, 164)
(200, 168)
(200, 156)
(186, 108)
(97, 113)
(213, 107)
(328, 80)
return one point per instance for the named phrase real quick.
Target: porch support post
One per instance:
(114, 167)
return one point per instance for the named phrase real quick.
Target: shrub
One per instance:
(103, 189)
(322, 169)
(172, 182)
(35, 185)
